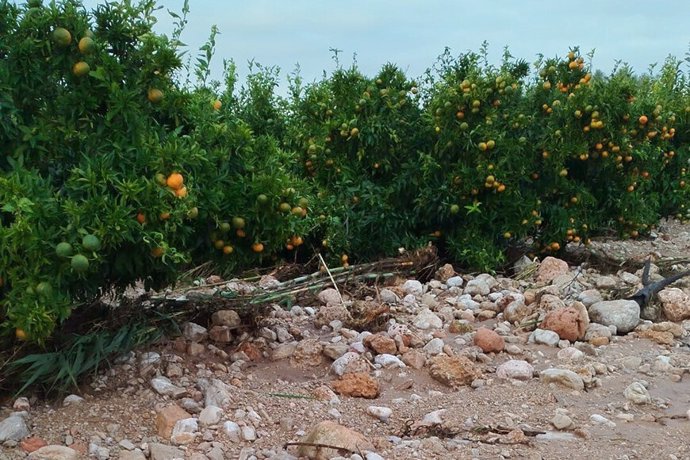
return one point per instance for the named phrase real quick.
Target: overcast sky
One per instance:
(413, 33)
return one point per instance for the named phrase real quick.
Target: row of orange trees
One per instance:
(112, 170)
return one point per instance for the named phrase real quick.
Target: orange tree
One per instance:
(360, 139)
(112, 172)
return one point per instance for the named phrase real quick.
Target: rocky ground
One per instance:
(549, 364)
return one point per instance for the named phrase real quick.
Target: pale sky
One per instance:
(413, 33)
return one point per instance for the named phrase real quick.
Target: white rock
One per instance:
(389, 361)
(629, 278)
(194, 332)
(564, 377)
(184, 431)
(248, 433)
(570, 354)
(624, 314)
(369, 455)
(413, 287)
(595, 330)
(590, 297)
(72, 400)
(434, 347)
(210, 415)
(433, 418)
(427, 319)
(601, 420)
(98, 452)
(21, 404)
(545, 337)
(388, 296)
(163, 386)
(340, 365)
(330, 296)
(515, 369)
(14, 428)
(466, 301)
(455, 281)
(216, 392)
(149, 358)
(477, 286)
(232, 431)
(561, 421)
(637, 393)
(380, 412)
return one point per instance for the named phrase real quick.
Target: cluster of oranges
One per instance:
(175, 183)
(63, 38)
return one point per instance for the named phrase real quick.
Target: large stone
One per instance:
(164, 452)
(488, 340)
(550, 268)
(228, 318)
(549, 302)
(328, 433)
(444, 273)
(216, 392)
(184, 431)
(284, 351)
(220, 334)
(330, 296)
(453, 371)
(675, 304)
(590, 297)
(414, 358)
(515, 369)
(54, 452)
(567, 322)
(517, 311)
(210, 415)
(381, 343)
(14, 428)
(349, 362)
(563, 377)
(637, 393)
(167, 417)
(308, 353)
(480, 285)
(165, 387)
(544, 337)
(194, 332)
(357, 385)
(413, 287)
(329, 313)
(624, 314)
(427, 319)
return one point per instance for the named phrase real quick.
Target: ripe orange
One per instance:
(217, 104)
(141, 218)
(257, 247)
(344, 258)
(175, 181)
(80, 69)
(297, 211)
(298, 241)
(182, 192)
(157, 252)
(289, 247)
(643, 119)
(354, 132)
(555, 246)
(164, 215)
(21, 334)
(240, 233)
(491, 144)
(154, 95)
(227, 249)
(482, 146)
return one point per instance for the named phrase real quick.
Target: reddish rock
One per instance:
(195, 349)
(488, 340)
(359, 385)
(166, 418)
(381, 344)
(414, 358)
(444, 273)
(566, 322)
(32, 443)
(308, 353)
(251, 350)
(453, 371)
(599, 341)
(660, 337)
(328, 440)
(220, 334)
(551, 268)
